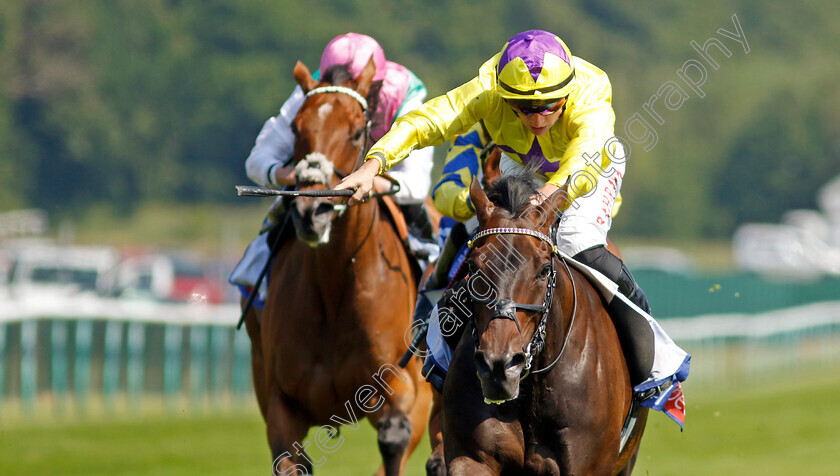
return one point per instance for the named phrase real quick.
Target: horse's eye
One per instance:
(358, 135)
(544, 272)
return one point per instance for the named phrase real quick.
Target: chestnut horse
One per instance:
(325, 346)
(539, 386)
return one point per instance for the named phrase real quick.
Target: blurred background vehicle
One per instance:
(42, 270)
(805, 244)
(169, 277)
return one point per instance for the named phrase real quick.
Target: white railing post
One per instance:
(135, 368)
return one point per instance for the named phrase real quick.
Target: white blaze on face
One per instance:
(324, 111)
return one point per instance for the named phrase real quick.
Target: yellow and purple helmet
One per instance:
(535, 66)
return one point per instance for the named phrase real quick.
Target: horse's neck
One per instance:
(565, 310)
(576, 322)
(351, 268)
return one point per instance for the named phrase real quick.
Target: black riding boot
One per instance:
(611, 266)
(633, 330)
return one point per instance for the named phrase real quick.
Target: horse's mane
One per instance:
(513, 192)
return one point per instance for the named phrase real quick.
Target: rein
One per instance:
(506, 308)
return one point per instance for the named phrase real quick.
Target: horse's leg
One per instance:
(466, 466)
(252, 325)
(394, 438)
(394, 431)
(436, 464)
(401, 420)
(628, 469)
(286, 430)
(420, 410)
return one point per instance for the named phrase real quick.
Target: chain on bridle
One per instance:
(506, 308)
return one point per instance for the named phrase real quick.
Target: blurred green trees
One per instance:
(129, 101)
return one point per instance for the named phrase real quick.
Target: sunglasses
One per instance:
(543, 109)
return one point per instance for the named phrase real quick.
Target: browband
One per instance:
(515, 231)
(340, 89)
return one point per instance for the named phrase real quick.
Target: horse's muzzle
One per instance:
(312, 219)
(499, 374)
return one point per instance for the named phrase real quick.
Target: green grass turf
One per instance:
(775, 429)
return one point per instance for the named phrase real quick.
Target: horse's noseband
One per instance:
(506, 309)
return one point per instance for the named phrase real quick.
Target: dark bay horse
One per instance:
(325, 347)
(538, 383)
(435, 464)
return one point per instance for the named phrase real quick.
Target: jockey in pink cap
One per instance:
(355, 51)
(395, 91)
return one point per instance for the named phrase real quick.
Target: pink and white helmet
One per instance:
(355, 50)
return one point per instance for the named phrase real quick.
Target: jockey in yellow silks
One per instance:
(585, 125)
(541, 106)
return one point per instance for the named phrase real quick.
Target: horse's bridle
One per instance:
(363, 150)
(362, 102)
(506, 308)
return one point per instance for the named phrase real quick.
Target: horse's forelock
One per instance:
(337, 74)
(340, 73)
(513, 192)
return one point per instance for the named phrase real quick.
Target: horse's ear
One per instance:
(304, 78)
(484, 208)
(366, 77)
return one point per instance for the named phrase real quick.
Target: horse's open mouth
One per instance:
(312, 224)
(498, 392)
(499, 374)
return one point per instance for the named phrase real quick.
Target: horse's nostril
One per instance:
(324, 208)
(518, 360)
(481, 364)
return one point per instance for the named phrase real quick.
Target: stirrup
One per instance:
(653, 392)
